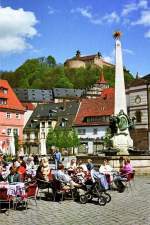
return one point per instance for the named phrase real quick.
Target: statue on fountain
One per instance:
(119, 126)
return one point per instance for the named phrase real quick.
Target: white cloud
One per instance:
(16, 27)
(52, 10)
(110, 58)
(143, 4)
(128, 51)
(147, 34)
(128, 8)
(144, 20)
(86, 12)
(110, 18)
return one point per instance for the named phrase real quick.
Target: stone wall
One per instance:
(141, 164)
(140, 138)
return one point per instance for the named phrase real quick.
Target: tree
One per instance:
(16, 142)
(62, 138)
(51, 61)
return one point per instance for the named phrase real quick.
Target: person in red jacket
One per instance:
(22, 171)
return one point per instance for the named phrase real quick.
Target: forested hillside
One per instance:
(44, 73)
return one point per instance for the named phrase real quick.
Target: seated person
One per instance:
(13, 176)
(65, 178)
(1, 177)
(89, 164)
(127, 167)
(107, 169)
(42, 183)
(80, 175)
(30, 163)
(22, 170)
(39, 174)
(96, 175)
(72, 165)
(45, 169)
(83, 165)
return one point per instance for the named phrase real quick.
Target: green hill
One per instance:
(44, 73)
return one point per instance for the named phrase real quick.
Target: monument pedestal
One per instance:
(122, 142)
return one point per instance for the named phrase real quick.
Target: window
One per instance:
(64, 122)
(96, 119)
(8, 131)
(3, 90)
(15, 131)
(95, 131)
(138, 116)
(43, 135)
(17, 116)
(8, 115)
(43, 124)
(3, 101)
(81, 131)
(49, 123)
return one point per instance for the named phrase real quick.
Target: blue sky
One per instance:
(36, 28)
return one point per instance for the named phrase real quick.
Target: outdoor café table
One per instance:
(14, 189)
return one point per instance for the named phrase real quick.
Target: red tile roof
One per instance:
(12, 100)
(28, 106)
(100, 106)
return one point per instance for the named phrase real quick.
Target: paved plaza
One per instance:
(128, 208)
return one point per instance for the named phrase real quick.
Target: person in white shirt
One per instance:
(107, 170)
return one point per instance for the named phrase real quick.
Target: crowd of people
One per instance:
(20, 169)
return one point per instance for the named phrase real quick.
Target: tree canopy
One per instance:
(62, 138)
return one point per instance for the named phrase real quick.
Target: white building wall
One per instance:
(27, 116)
(101, 130)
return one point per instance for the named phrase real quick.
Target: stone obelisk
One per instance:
(120, 96)
(121, 140)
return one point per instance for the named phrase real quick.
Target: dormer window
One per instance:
(3, 90)
(3, 101)
(64, 122)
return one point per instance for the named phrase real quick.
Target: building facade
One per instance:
(83, 61)
(11, 118)
(92, 121)
(138, 102)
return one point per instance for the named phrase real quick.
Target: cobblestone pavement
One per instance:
(128, 208)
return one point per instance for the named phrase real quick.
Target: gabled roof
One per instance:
(13, 102)
(100, 106)
(54, 111)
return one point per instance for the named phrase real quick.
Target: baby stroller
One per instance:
(92, 190)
